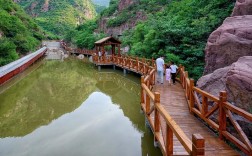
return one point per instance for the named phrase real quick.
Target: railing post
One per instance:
(204, 106)
(142, 92)
(154, 77)
(156, 117)
(137, 66)
(169, 141)
(180, 71)
(198, 145)
(144, 67)
(147, 105)
(191, 105)
(184, 81)
(222, 114)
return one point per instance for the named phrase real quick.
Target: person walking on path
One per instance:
(173, 71)
(160, 69)
(168, 75)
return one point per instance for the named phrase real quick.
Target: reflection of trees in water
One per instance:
(47, 93)
(126, 93)
(117, 81)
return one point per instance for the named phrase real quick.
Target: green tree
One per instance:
(178, 31)
(7, 51)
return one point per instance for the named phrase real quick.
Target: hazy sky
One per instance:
(102, 2)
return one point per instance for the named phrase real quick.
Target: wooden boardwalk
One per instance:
(174, 101)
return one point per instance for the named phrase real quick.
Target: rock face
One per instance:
(242, 7)
(229, 42)
(120, 29)
(236, 79)
(239, 83)
(124, 4)
(130, 23)
(228, 57)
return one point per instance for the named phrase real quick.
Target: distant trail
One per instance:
(52, 45)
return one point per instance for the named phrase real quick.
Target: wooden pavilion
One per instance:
(100, 44)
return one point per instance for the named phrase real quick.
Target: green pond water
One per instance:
(70, 109)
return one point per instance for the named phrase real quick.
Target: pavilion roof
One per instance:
(108, 39)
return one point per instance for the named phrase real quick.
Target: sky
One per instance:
(102, 2)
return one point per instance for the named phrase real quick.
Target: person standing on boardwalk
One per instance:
(99, 55)
(168, 74)
(173, 71)
(160, 69)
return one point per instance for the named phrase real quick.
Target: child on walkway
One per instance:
(168, 74)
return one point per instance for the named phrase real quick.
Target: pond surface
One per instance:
(69, 109)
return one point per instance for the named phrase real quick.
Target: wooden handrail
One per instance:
(195, 148)
(238, 111)
(149, 93)
(206, 94)
(184, 140)
(219, 104)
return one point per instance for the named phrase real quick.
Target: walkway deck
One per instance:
(174, 101)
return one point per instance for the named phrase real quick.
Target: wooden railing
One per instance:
(152, 108)
(209, 107)
(85, 51)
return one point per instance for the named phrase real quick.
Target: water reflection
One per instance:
(94, 125)
(47, 93)
(108, 122)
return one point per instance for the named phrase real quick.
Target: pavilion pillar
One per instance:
(103, 50)
(119, 53)
(124, 72)
(113, 49)
(96, 49)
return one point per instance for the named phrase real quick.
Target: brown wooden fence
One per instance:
(209, 105)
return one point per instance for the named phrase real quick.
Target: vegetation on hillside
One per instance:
(83, 36)
(177, 29)
(59, 17)
(99, 8)
(19, 34)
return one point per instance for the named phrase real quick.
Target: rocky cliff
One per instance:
(124, 17)
(124, 4)
(228, 56)
(118, 30)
